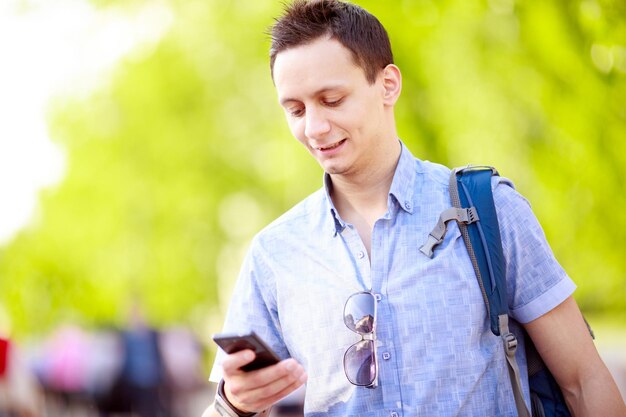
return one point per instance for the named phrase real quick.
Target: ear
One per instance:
(392, 84)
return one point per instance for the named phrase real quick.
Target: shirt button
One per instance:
(378, 297)
(407, 205)
(393, 414)
(361, 254)
(386, 356)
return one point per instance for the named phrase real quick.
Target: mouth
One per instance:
(331, 146)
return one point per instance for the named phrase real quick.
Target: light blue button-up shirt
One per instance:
(436, 353)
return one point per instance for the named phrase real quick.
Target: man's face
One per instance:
(330, 106)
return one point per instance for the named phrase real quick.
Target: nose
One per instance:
(316, 124)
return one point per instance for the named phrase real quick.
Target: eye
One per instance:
(296, 111)
(333, 103)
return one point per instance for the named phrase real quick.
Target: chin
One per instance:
(335, 166)
(334, 170)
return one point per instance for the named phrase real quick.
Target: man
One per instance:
(353, 248)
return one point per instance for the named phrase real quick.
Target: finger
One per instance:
(268, 376)
(255, 388)
(293, 378)
(289, 372)
(234, 361)
(263, 401)
(286, 391)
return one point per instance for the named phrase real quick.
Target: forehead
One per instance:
(322, 64)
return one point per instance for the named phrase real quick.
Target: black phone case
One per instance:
(232, 343)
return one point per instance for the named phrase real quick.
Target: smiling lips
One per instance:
(331, 146)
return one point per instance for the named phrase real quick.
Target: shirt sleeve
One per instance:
(253, 306)
(536, 281)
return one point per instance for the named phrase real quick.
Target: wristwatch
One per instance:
(225, 408)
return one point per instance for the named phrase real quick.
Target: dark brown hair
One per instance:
(354, 27)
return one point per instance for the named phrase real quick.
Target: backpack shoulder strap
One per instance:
(470, 187)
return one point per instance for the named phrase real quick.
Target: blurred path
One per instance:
(611, 343)
(615, 359)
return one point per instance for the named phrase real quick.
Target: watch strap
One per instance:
(225, 408)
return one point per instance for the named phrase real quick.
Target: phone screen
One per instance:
(232, 343)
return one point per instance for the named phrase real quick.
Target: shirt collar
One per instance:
(402, 187)
(403, 184)
(337, 225)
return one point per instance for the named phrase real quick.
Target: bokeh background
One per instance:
(143, 146)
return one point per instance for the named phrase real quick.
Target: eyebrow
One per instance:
(316, 93)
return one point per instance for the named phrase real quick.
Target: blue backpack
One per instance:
(474, 211)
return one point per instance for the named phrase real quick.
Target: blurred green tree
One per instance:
(184, 155)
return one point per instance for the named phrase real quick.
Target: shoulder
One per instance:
(433, 172)
(301, 219)
(508, 200)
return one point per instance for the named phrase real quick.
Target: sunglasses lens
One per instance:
(358, 314)
(359, 363)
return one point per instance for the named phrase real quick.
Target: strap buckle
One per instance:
(470, 215)
(510, 342)
(429, 247)
(461, 215)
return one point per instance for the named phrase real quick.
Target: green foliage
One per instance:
(175, 164)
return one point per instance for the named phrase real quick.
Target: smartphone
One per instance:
(232, 343)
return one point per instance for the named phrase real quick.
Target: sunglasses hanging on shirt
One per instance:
(359, 361)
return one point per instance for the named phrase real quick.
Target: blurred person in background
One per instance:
(182, 361)
(141, 386)
(20, 394)
(62, 365)
(104, 366)
(65, 363)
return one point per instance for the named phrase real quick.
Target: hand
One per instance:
(258, 390)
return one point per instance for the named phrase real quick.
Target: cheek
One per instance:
(355, 117)
(368, 119)
(297, 129)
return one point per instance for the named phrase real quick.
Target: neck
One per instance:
(365, 194)
(362, 199)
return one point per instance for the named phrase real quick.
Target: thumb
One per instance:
(234, 361)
